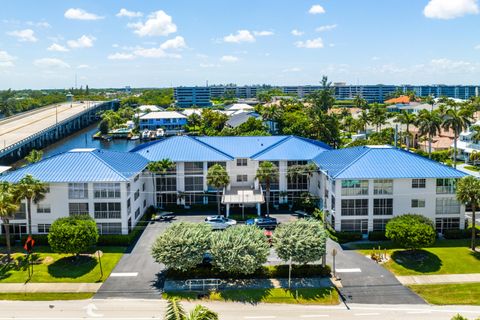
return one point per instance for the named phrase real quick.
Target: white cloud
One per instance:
(51, 63)
(263, 33)
(294, 69)
(208, 65)
(297, 33)
(82, 42)
(447, 65)
(316, 9)
(450, 9)
(83, 66)
(40, 24)
(155, 53)
(477, 47)
(129, 14)
(327, 27)
(27, 35)
(158, 24)
(57, 47)
(229, 59)
(240, 36)
(6, 60)
(375, 58)
(80, 14)
(121, 56)
(176, 43)
(310, 44)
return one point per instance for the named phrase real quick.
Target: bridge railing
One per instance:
(203, 284)
(43, 131)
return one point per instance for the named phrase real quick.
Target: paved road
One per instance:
(154, 309)
(137, 275)
(22, 126)
(365, 281)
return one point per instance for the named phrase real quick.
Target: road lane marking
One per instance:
(124, 274)
(367, 314)
(314, 316)
(260, 317)
(419, 312)
(349, 270)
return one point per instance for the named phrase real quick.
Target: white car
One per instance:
(219, 222)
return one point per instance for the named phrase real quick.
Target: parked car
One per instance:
(264, 223)
(219, 222)
(224, 219)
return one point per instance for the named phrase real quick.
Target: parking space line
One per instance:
(349, 270)
(123, 274)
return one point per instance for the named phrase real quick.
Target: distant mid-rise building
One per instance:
(171, 121)
(187, 97)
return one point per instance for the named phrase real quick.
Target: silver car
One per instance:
(219, 222)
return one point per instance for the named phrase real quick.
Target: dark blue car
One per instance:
(264, 223)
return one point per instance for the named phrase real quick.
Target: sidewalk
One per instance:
(440, 278)
(49, 287)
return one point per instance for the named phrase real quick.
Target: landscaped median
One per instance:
(449, 294)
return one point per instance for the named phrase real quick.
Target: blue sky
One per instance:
(43, 44)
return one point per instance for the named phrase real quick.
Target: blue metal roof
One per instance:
(184, 148)
(82, 165)
(292, 148)
(381, 162)
(180, 148)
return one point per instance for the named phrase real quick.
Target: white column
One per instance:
(228, 210)
(259, 210)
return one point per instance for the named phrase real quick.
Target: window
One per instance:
(194, 198)
(43, 228)
(442, 224)
(383, 207)
(299, 181)
(128, 189)
(77, 208)
(109, 228)
(446, 186)
(144, 203)
(106, 190)
(143, 186)
(383, 186)
(418, 183)
(21, 212)
(135, 179)
(193, 168)
(137, 213)
(418, 203)
(242, 162)
(274, 181)
(355, 207)
(43, 208)
(354, 187)
(47, 188)
(332, 206)
(166, 184)
(447, 206)
(357, 225)
(107, 210)
(380, 224)
(78, 190)
(242, 178)
(193, 183)
(136, 195)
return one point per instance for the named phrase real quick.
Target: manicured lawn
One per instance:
(472, 168)
(444, 257)
(39, 296)
(53, 267)
(324, 296)
(442, 294)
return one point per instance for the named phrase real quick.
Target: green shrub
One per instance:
(74, 234)
(377, 236)
(459, 234)
(411, 231)
(348, 236)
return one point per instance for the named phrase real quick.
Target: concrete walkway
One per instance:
(49, 287)
(440, 278)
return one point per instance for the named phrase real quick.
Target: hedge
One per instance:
(459, 234)
(377, 236)
(343, 236)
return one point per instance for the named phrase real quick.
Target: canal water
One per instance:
(83, 139)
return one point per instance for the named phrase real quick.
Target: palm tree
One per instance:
(378, 116)
(194, 120)
(457, 120)
(468, 191)
(407, 119)
(267, 173)
(34, 156)
(30, 189)
(8, 207)
(159, 167)
(359, 102)
(175, 311)
(429, 100)
(364, 120)
(218, 178)
(429, 123)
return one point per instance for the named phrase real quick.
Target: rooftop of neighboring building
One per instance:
(163, 115)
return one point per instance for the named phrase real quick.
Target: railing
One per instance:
(40, 133)
(107, 214)
(446, 189)
(203, 284)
